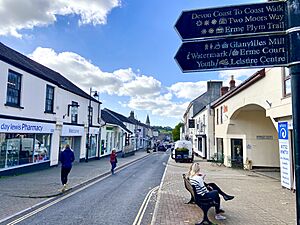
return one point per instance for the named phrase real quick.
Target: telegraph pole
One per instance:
(293, 8)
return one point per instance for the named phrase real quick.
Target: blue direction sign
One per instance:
(241, 52)
(233, 20)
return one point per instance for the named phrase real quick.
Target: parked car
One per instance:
(183, 151)
(161, 147)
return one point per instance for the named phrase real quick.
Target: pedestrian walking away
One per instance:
(66, 158)
(210, 190)
(113, 160)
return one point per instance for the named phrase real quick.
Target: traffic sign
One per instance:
(232, 20)
(238, 52)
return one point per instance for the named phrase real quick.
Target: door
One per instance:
(200, 144)
(237, 153)
(220, 150)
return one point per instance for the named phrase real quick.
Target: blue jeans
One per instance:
(215, 196)
(113, 166)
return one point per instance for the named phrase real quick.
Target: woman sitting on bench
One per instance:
(210, 190)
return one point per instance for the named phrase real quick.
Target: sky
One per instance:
(124, 49)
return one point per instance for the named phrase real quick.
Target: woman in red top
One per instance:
(113, 160)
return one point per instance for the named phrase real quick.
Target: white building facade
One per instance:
(246, 122)
(41, 112)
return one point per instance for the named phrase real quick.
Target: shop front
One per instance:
(72, 135)
(24, 143)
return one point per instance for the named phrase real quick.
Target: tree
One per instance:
(176, 132)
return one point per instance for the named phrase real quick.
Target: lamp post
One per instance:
(294, 70)
(90, 122)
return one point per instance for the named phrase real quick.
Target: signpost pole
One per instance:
(293, 7)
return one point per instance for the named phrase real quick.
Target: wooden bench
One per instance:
(203, 203)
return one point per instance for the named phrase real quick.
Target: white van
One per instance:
(183, 151)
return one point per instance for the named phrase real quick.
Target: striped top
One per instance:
(198, 182)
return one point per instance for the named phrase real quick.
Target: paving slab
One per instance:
(258, 199)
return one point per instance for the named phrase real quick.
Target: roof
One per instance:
(248, 82)
(21, 61)
(119, 116)
(107, 117)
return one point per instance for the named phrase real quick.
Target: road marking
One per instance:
(140, 215)
(122, 167)
(54, 202)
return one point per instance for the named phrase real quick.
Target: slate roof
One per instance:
(119, 116)
(134, 121)
(22, 62)
(108, 117)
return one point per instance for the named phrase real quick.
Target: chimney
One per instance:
(231, 83)
(131, 115)
(224, 90)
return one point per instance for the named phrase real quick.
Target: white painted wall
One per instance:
(269, 88)
(33, 92)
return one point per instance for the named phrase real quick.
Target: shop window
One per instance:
(49, 99)
(286, 82)
(93, 146)
(74, 112)
(13, 94)
(22, 149)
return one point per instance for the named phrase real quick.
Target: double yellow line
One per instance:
(143, 207)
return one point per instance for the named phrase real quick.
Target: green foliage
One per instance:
(165, 130)
(176, 132)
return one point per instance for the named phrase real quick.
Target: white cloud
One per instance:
(122, 82)
(141, 86)
(188, 90)
(160, 106)
(16, 15)
(144, 92)
(239, 75)
(226, 74)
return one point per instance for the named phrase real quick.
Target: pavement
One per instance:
(258, 199)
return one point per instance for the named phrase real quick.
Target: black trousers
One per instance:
(64, 175)
(215, 187)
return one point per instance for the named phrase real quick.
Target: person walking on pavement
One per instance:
(196, 179)
(67, 158)
(113, 160)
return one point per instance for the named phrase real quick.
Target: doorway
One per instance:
(237, 153)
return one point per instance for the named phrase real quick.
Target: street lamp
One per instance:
(90, 122)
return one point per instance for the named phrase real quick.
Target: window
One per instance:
(221, 115)
(13, 89)
(20, 149)
(217, 116)
(90, 115)
(74, 112)
(49, 99)
(287, 82)
(99, 113)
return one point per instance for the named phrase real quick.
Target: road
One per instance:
(115, 199)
